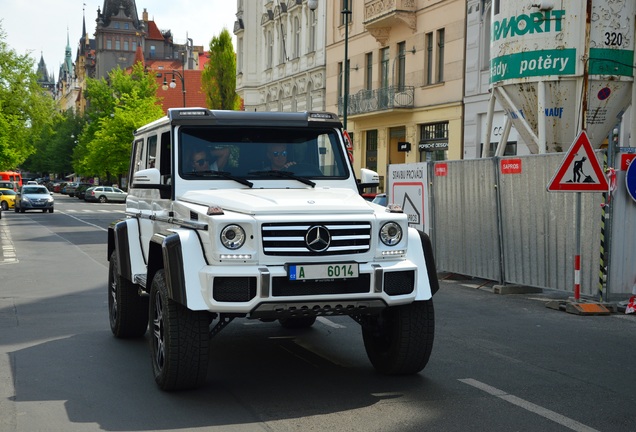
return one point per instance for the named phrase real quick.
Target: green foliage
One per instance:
(55, 144)
(219, 75)
(117, 107)
(25, 108)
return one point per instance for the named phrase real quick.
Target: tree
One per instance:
(55, 145)
(219, 75)
(118, 106)
(25, 108)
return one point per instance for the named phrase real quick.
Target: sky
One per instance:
(39, 27)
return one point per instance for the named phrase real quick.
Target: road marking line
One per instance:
(83, 221)
(529, 406)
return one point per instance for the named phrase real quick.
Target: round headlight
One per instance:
(391, 233)
(233, 237)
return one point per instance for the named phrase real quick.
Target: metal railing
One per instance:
(366, 101)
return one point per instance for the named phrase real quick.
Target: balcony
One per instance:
(381, 15)
(368, 101)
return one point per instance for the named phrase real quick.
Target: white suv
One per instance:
(219, 226)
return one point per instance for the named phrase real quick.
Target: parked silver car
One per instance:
(105, 194)
(34, 197)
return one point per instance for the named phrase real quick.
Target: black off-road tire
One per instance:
(297, 322)
(180, 341)
(127, 310)
(400, 340)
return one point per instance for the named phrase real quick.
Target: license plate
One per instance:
(297, 272)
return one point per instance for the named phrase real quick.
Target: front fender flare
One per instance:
(180, 254)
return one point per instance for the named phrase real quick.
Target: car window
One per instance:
(118, 190)
(252, 152)
(108, 189)
(35, 190)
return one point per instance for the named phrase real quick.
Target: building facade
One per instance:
(477, 84)
(280, 55)
(405, 86)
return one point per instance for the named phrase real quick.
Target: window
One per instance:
(126, 26)
(372, 150)
(117, 45)
(152, 151)
(270, 49)
(429, 59)
(281, 50)
(126, 45)
(440, 55)
(116, 25)
(109, 44)
(368, 79)
(312, 31)
(401, 66)
(239, 55)
(153, 51)
(340, 79)
(134, 46)
(433, 145)
(296, 37)
(384, 67)
(345, 9)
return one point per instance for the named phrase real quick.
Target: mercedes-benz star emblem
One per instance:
(318, 238)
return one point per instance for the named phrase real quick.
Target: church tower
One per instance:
(117, 35)
(45, 80)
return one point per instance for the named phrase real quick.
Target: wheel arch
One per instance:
(420, 251)
(179, 253)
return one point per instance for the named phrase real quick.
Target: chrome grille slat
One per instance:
(289, 238)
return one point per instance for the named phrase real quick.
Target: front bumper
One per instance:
(36, 205)
(266, 291)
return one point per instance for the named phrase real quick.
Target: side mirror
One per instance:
(147, 177)
(368, 179)
(150, 179)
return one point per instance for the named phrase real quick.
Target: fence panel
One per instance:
(464, 213)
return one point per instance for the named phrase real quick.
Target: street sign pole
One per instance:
(579, 172)
(577, 256)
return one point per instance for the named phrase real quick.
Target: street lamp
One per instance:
(173, 84)
(346, 12)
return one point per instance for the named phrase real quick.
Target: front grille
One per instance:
(281, 286)
(234, 289)
(399, 283)
(289, 238)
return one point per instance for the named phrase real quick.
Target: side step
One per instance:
(140, 279)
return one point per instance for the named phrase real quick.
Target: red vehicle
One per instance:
(13, 177)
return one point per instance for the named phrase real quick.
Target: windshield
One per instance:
(35, 190)
(260, 153)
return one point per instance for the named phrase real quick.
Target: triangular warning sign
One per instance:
(580, 171)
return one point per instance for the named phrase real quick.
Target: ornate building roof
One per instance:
(112, 7)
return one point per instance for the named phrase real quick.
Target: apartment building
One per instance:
(406, 78)
(281, 55)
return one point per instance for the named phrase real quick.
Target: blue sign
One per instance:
(630, 180)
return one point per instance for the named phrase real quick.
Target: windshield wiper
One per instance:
(285, 174)
(224, 174)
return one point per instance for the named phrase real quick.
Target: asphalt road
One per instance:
(500, 363)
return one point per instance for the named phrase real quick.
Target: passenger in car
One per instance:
(277, 156)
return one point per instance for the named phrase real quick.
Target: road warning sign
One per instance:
(580, 171)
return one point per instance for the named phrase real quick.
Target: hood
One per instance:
(277, 201)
